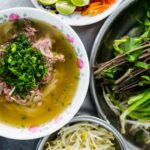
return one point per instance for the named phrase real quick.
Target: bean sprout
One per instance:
(82, 136)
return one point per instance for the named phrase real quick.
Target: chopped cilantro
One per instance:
(22, 66)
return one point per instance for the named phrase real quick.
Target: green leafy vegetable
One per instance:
(126, 78)
(141, 64)
(22, 66)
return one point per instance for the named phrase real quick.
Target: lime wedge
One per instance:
(65, 7)
(80, 3)
(47, 2)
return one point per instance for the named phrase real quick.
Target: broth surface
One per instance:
(58, 93)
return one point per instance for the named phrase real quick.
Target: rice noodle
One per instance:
(13, 89)
(82, 136)
(46, 55)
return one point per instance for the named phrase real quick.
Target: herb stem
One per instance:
(135, 105)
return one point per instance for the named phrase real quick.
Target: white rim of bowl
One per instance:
(22, 136)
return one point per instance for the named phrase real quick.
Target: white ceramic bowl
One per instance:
(55, 124)
(77, 20)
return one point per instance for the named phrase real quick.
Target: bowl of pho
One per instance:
(44, 73)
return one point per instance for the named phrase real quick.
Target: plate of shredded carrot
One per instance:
(79, 12)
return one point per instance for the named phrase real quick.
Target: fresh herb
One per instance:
(22, 66)
(77, 77)
(49, 109)
(24, 118)
(52, 94)
(64, 88)
(126, 78)
(62, 104)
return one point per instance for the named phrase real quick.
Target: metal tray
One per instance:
(123, 21)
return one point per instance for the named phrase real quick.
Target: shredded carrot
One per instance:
(85, 11)
(95, 4)
(110, 1)
(96, 7)
(98, 10)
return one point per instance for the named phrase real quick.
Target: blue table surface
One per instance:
(87, 35)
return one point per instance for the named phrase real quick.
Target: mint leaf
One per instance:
(131, 43)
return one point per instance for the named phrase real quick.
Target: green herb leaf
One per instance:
(131, 43)
(22, 66)
(141, 64)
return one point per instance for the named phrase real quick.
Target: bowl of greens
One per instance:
(120, 77)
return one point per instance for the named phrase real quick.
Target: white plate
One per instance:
(77, 20)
